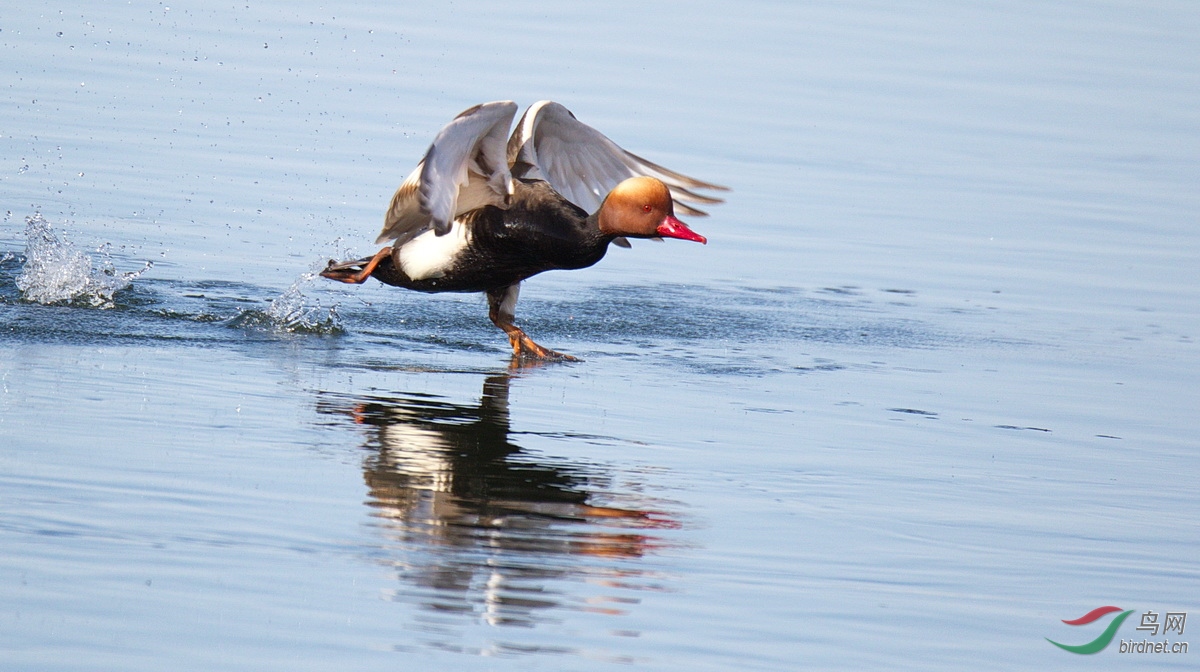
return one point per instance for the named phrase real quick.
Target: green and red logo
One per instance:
(1172, 622)
(1105, 637)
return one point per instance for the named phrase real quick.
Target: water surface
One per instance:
(928, 391)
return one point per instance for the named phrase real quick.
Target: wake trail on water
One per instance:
(55, 272)
(56, 292)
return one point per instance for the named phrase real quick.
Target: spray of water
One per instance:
(56, 272)
(293, 312)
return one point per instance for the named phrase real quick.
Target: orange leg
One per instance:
(501, 303)
(348, 272)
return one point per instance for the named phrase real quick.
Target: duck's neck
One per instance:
(595, 233)
(588, 245)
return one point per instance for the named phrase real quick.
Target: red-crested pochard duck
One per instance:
(480, 215)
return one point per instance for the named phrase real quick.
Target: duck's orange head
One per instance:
(641, 207)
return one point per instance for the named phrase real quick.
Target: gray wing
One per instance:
(465, 168)
(583, 165)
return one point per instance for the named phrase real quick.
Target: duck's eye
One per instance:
(646, 208)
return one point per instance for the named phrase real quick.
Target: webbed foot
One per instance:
(525, 349)
(354, 272)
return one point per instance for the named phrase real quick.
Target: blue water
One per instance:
(928, 391)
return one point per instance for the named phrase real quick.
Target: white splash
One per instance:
(293, 311)
(56, 272)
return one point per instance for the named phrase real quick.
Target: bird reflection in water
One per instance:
(478, 526)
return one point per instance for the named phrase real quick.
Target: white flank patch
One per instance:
(430, 255)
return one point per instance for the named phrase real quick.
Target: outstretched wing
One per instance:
(583, 165)
(465, 168)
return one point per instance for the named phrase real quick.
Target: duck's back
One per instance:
(491, 248)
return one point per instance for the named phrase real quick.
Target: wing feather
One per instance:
(469, 165)
(583, 165)
(465, 168)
